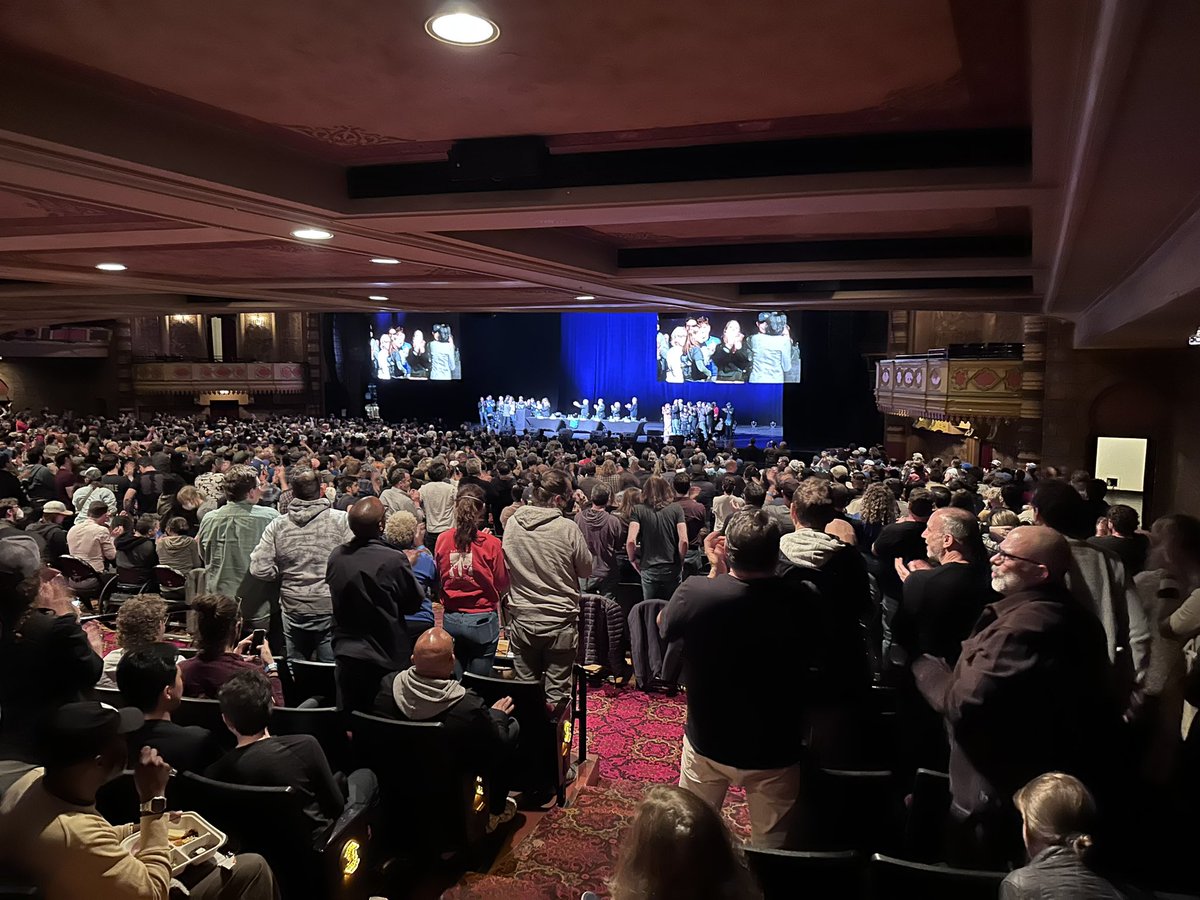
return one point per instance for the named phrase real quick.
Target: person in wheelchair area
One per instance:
(427, 692)
(261, 759)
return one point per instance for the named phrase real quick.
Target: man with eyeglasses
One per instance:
(1031, 693)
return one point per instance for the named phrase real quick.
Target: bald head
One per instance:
(366, 518)
(433, 654)
(1036, 555)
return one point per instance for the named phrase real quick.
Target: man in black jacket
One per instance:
(427, 692)
(373, 588)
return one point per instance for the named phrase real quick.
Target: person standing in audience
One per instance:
(437, 502)
(396, 498)
(664, 540)
(92, 491)
(1121, 536)
(729, 622)
(372, 587)
(546, 556)
(729, 500)
(295, 549)
(604, 535)
(150, 680)
(473, 577)
(49, 826)
(427, 692)
(1031, 692)
(229, 534)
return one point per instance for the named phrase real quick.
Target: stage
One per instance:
(640, 429)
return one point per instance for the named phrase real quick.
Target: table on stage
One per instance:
(613, 426)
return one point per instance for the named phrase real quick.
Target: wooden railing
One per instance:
(209, 377)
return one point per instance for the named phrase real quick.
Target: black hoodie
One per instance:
(136, 552)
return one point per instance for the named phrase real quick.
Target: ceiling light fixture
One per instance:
(110, 267)
(585, 297)
(465, 29)
(312, 234)
(385, 261)
(377, 297)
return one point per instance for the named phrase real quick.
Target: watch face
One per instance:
(157, 805)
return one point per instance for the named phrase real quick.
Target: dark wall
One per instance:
(834, 403)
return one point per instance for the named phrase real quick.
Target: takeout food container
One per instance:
(185, 850)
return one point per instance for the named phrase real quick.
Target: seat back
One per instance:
(785, 874)
(853, 809)
(206, 714)
(423, 766)
(74, 568)
(890, 878)
(168, 579)
(266, 820)
(111, 696)
(327, 724)
(314, 679)
(925, 819)
(544, 751)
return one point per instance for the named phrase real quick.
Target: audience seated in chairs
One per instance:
(678, 846)
(150, 680)
(49, 529)
(46, 658)
(51, 832)
(90, 540)
(141, 622)
(373, 589)
(178, 550)
(287, 760)
(427, 692)
(221, 656)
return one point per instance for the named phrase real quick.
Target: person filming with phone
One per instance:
(222, 655)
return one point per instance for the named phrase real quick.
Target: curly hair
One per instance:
(878, 505)
(140, 621)
(401, 529)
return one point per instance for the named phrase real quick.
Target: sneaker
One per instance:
(510, 810)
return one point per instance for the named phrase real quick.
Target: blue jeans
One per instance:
(308, 636)
(475, 637)
(659, 587)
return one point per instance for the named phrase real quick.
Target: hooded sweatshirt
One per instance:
(135, 551)
(836, 569)
(420, 697)
(603, 533)
(295, 549)
(546, 557)
(180, 552)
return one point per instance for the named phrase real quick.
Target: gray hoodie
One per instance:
(808, 548)
(421, 698)
(546, 557)
(295, 549)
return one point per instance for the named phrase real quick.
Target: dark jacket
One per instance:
(1058, 872)
(137, 552)
(54, 536)
(1031, 693)
(373, 588)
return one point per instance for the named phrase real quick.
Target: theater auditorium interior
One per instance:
(605, 450)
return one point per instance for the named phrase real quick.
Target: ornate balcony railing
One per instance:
(210, 377)
(948, 387)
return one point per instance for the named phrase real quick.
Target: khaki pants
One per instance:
(545, 654)
(771, 794)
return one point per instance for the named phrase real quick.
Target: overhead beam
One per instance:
(147, 237)
(828, 271)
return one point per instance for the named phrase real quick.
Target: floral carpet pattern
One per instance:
(638, 738)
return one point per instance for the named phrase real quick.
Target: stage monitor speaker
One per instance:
(493, 160)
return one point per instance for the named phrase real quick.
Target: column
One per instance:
(1033, 380)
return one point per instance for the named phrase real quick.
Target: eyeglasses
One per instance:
(1003, 554)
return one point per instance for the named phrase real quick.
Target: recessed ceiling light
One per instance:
(585, 297)
(385, 261)
(462, 28)
(110, 267)
(312, 234)
(378, 297)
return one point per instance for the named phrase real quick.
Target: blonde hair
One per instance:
(140, 621)
(1058, 811)
(401, 528)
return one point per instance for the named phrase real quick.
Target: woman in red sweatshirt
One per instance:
(473, 578)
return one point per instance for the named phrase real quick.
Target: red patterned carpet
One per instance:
(638, 738)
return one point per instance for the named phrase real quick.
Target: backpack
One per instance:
(148, 492)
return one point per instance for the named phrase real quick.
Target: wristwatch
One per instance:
(271, 668)
(155, 806)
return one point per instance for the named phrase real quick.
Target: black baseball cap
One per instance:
(78, 731)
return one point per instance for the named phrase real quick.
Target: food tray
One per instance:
(195, 849)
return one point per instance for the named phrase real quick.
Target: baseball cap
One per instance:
(55, 506)
(78, 731)
(20, 555)
(91, 472)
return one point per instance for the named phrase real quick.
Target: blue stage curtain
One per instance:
(611, 355)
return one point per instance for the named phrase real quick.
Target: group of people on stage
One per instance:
(394, 356)
(691, 352)
(503, 413)
(697, 421)
(585, 410)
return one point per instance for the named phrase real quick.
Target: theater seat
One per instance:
(787, 874)
(422, 778)
(891, 879)
(271, 821)
(850, 809)
(325, 723)
(111, 696)
(313, 680)
(925, 818)
(544, 752)
(206, 714)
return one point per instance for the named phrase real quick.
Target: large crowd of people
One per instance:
(1037, 638)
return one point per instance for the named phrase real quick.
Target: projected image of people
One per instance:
(414, 348)
(764, 353)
